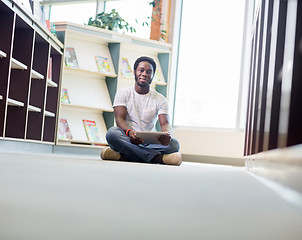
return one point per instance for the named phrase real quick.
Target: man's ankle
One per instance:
(157, 159)
(109, 154)
(172, 158)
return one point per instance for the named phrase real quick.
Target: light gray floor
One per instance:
(45, 197)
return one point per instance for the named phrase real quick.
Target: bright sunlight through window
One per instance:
(209, 63)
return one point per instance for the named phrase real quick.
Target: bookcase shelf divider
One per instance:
(36, 75)
(12, 102)
(81, 141)
(2, 54)
(33, 109)
(49, 114)
(51, 83)
(65, 105)
(89, 72)
(18, 65)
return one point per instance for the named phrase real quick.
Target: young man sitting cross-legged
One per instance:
(137, 109)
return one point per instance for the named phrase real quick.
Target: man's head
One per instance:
(145, 59)
(144, 69)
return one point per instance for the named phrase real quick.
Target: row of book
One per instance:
(103, 65)
(90, 128)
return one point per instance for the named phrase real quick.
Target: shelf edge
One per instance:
(18, 65)
(82, 141)
(12, 102)
(90, 72)
(51, 83)
(36, 75)
(87, 107)
(49, 114)
(2, 54)
(33, 109)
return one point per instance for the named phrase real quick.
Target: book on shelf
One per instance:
(126, 70)
(91, 130)
(47, 23)
(102, 64)
(157, 78)
(49, 74)
(53, 29)
(71, 60)
(64, 132)
(65, 96)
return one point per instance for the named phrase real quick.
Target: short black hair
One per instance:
(145, 59)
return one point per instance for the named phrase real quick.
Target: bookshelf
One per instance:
(29, 99)
(90, 91)
(274, 111)
(273, 139)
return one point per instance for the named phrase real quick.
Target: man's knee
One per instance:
(174, 145)
(113, 133)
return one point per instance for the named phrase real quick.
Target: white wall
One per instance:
(210, 142)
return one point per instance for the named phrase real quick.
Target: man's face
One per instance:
(143, 74)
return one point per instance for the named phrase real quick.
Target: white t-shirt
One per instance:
(142, 109)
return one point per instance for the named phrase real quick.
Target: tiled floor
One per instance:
(58, 197)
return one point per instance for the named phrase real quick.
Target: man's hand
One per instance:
(165, 139)
(133, 138)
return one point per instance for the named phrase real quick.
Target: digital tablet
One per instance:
(150, 137)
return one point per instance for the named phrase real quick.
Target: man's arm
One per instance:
(164, 122)
(120, 113)
(165, 127)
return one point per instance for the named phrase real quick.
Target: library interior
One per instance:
(226, 91)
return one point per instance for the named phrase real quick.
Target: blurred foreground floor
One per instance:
(45, 197)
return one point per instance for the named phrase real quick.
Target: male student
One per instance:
(137, 109)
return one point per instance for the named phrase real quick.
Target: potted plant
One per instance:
(111, 21)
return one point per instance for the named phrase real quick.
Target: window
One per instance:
(73, 12)
(135, 12)
(209, 64)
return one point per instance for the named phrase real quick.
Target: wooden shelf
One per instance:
(86, 107)
(12, 102)
(97, 34)
(33, 109)
(75, 119)
(36, 75)
(2, 54)
(87, 91)
(131, 80)
(49, 114)
(126, 78)
(18, 65)
(89, 72)
(26, 50)
(51, 83)
(82, 142)
(160, 83)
